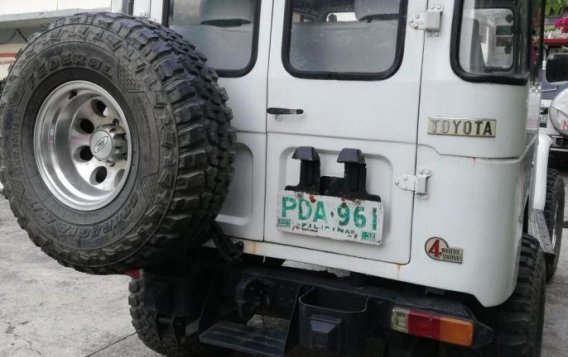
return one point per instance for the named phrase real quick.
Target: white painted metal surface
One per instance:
(479, 185)
(243, 213)
(477, 191)
(444, 94)
(480, 190)
(347, 114)
(416, 183)
(544, 144)
(429, 21)
(385, 162)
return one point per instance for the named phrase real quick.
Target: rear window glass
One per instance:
(224, 31)
(344, 39)
(493, 39)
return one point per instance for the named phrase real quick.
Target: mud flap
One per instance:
(539, 230)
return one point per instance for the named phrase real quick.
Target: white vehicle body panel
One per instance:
(544, 145)
(490, 261)
(444, 94)
(243, 213)
(478, 191)
(464, 195)
(347, 114)
(382, 166)
(479, 187)
(461, 209)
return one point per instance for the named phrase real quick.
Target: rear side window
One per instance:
(224, 31)
(345, 39)
(491, 40)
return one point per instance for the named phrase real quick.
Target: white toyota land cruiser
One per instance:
(394, 141)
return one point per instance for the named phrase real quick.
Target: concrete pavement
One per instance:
(47, 310)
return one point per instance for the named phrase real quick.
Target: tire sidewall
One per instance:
(540, 312)
(68, 227)
(559, 224)
(555, 208)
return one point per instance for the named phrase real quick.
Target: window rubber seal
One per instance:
(519, 80)
(354, 76)
(167, 14)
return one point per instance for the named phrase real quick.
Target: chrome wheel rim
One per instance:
(82, 145)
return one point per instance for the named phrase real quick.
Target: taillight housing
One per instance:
(134, 273)
(433, 326)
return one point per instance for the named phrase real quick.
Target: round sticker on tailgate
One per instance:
(438, 249)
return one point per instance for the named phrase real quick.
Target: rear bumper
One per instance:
(321, 311)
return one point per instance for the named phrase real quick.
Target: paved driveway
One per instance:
(48, 310)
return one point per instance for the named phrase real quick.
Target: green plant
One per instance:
(555, 7)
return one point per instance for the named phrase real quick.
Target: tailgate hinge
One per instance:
(429, 21)
(418, 184)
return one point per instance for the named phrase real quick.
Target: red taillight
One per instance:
(134, 273)
(436, 327)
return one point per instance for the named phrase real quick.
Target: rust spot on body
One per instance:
(253, 247)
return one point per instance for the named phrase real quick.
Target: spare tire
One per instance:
(117, 147)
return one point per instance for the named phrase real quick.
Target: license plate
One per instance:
(331, 217)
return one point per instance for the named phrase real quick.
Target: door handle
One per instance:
(285, 111)
(550, 90)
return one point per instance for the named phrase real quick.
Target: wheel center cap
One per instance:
(101, 144)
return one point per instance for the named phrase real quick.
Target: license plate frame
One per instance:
(337, 218)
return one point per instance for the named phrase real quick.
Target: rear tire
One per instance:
(520, 320)
(164, 334)
(178, 153)
(554, 215)
(518, 323)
